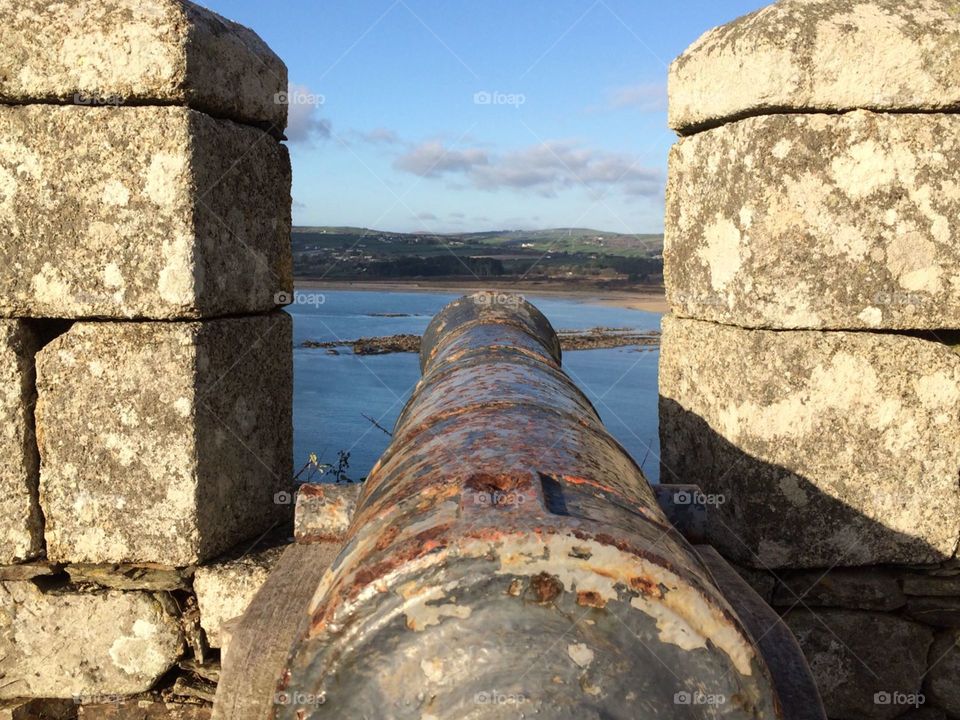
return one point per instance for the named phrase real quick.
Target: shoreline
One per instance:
(649, 299)
(570, 340)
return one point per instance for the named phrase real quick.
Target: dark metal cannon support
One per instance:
(508, 558)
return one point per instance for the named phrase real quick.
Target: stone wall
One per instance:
(145, 367)
(810, 374)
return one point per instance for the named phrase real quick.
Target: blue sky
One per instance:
(448, 115)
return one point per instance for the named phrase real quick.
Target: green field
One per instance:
(569, 240)
(362, 253)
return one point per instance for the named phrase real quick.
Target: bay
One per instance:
(334, 393)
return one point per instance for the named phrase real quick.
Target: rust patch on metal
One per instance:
(581, 553)
(590, 598)
(387, 538)
(308, 538)
(545, 587)
(421, 544)
(646, 586)
(592, 483)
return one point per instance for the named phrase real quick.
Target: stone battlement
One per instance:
(809, 373)
(146, 372)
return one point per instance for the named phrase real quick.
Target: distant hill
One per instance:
(569, 240)
(568, 254)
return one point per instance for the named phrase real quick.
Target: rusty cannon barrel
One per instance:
(508, 558)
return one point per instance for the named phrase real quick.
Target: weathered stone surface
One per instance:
(130, 577)
(139, 212)
(323, 511)
(194, 689)
(918, 584)
(163, 442)
(130, 51)
(942, 687)
(828, 448)
(817, 221)
(854, 656)
(857, 588)
(209, 671)
(224, 589)
(761, 581)
(936, 611)
(86, 644)
(21, 524)
(144, 710)
(38, 709)
(262, 636)
(820, 55)
(29, 571)
(923, 712)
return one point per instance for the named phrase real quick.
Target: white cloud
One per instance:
(645, 97)
(432, 159)
(304, 123)
(545, 169)
(380, 136)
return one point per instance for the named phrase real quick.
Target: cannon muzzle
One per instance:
(508, 558)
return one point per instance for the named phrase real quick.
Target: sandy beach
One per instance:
(647, 298)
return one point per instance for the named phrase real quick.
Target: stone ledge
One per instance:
(38, 709)
(60, 645)
(225, 588)
(324, 511)
(827, 448)
(853, 588)
(856, 656)
(820, 56)
(140, 212)
(163, 442)
(817, 222)
(941, 685)
(104, 52)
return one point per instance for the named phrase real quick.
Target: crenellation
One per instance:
(143, 222)
(145, 366)
(808, 371)
(163, 442)
(173, 52)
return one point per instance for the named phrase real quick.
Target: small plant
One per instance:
(343, 464)
(312, 467)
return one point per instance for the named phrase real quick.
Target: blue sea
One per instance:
(334, 393)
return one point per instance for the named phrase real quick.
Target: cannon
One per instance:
(507, 558)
